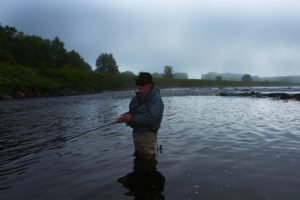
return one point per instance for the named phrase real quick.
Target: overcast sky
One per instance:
(260, 37)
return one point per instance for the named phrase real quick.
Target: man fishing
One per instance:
(144, 116)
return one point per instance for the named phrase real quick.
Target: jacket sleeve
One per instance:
(152, 115)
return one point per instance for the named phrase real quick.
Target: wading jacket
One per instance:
(147, 112)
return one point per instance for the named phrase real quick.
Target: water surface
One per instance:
(212, 147)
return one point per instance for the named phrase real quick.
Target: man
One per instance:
(145, 115)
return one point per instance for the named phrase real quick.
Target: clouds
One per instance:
(257, 37)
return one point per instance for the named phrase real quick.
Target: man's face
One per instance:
(144, 88)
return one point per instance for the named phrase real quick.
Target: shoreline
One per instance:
(245, 92)
(58, 93)
(274, 95)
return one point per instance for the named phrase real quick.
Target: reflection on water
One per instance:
(30, 129)
(145, 182)
(214, 148)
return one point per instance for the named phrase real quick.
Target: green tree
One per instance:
(128, 73)
(34, 51)
(10, 44)
(59, 53)
(106, 63)
(75, 61)
(6, 57)
(246, 78)
(168, 72)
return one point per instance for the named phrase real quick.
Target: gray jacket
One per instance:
(147, 112)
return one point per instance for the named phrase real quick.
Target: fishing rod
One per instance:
(91, 130)
(158, 147)
(102, 126)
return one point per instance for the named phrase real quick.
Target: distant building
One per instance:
(224, 76)
(238, 77)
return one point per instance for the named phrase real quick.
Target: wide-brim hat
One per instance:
(144, 77)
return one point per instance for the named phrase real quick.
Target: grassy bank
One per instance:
(20, 81)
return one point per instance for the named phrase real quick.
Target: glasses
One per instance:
(141, 83)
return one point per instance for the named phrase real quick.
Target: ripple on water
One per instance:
(213, 147)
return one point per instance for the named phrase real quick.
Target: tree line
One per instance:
(17, 48)
(106, 63)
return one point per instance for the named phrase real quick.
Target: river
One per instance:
(212, 147)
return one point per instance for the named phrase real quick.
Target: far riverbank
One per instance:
(25, 82)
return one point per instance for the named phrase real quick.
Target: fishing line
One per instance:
(91, 130)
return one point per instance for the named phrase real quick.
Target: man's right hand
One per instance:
(124, 118)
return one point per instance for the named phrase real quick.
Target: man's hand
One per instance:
(124, 118)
